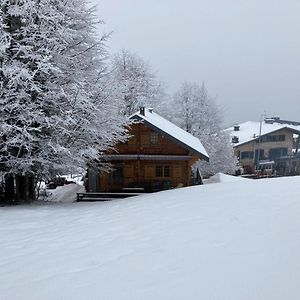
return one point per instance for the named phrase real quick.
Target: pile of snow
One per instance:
(65, 194)
(228, 241)
(221, 177)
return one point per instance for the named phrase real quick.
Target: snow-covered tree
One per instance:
(197, 113)
(56, 114)
(134, 82)
(222, 158)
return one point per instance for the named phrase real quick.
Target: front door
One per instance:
(93, 180)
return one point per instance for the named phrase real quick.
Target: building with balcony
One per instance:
(158, 155)
(272, 143)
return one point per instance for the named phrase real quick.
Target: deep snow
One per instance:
(229, 240)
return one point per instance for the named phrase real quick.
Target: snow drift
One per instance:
(220, 177)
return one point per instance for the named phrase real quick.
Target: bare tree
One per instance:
(196, 112)
(134, 82)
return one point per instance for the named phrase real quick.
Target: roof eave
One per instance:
(270, 132)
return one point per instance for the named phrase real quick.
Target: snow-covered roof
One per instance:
(250, 130)
(158, 123)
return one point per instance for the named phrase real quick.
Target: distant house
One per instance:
(158, 156)
(272, 144)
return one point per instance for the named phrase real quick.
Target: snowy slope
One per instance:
(232, 240)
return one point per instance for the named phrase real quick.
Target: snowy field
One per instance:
(232, 239)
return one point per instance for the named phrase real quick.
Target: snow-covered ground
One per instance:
(229, 240)
(222, 178)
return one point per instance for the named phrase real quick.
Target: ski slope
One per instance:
(230, 240)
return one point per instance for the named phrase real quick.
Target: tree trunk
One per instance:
(21, 188)
(31, 186)
(9, 187)
(25, 189)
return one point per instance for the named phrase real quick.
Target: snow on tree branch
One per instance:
(56, 112)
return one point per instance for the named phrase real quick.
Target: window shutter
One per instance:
(128, 172)
(149, 171)
(177, 171)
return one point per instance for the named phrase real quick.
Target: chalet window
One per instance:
(276, 153)
(259, 154)
(159, 171)
(167, 172)
(247, 154)
(271, 138)
(154, 138)
(117, 175)
(163, 171)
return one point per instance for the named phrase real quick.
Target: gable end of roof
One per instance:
(171, 137)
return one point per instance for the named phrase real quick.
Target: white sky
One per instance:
(247, 52)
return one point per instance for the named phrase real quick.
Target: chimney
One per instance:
(150, 109)
(272, 120)
(142, 110)
(235, 140)
(236, 127)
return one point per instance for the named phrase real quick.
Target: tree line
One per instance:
(64, 99)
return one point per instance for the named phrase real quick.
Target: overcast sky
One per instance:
(247, 52)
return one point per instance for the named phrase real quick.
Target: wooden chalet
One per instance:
(157, 156)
